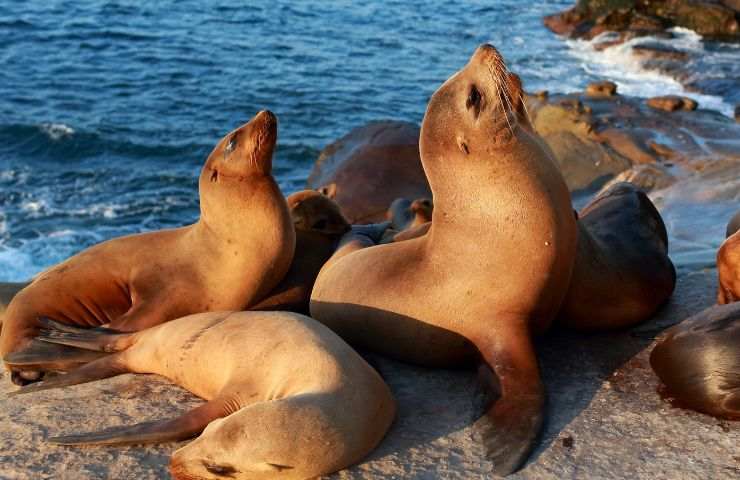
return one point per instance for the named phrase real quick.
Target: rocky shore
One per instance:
(605, 418)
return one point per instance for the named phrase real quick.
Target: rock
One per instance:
(671, 103)
(542, 94)
(7, 292)
(646, 177)
(604, 417)
(601, 89)
(589, 18)
(737, 113)
(370, 167)
(660, 52)
(733, 4)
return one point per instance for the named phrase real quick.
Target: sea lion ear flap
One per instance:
(516, 94)
(329, 190)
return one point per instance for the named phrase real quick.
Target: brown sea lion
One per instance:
(728, 270)
(238, 251)
(492, 270)
(8, 290)
(404, 214)
(698, 362)
(318, 227)
(368, 168)
(622, 273)
(286, 397)
(733, 225)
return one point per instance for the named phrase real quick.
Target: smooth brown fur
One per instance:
(492, 270)
(238, 251)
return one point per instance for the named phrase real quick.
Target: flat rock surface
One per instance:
(604, 417)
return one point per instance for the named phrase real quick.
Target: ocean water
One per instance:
(108, 108)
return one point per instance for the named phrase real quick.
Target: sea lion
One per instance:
(238, 251)
(368, 168)
(404, 214)
(622, 273)
(286, 397)
(728, 269)
(733, 225)
(492, 270)
(318, 227)
(8, 290)
(698, 362)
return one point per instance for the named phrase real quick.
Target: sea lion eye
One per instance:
(474, 98)
(231, 146)
(220, 470)
(319, 225)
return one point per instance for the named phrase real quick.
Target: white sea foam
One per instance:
(620, 64)
(57, 131)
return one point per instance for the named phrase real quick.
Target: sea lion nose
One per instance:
(266, 117)
(486, 54)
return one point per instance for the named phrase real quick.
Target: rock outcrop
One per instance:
(631, 18)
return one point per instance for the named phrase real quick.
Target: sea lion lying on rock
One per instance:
(698, 362)
(236, 253)
(493, 269)
(286, 397)
(318, 227)
(622, 273)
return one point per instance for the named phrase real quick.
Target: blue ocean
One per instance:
(108, 108)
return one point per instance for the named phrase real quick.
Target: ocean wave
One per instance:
(629, 71)
(50, 140)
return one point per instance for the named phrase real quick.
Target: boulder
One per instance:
(671, 103)
(601, 89)
(371, 166)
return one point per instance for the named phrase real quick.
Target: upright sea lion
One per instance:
(698, 362)
(728, 264)
(287, 398)
(238, 251)
(318, 227)
(622, 273)
(493, 268)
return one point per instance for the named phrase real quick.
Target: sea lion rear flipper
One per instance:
(105, 367)
(96, 339)
(186, 426)
(39, 355)
(515, 399)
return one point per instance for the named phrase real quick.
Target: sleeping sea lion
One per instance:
(318, 227)
(493, 268)
(622, 273)
(238, 251)
(698, 362)
(286, 397)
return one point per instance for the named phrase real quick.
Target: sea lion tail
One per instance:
(96, 339)
(183, 427)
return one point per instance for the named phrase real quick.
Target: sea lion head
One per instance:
(313, 212)
(238, 164)
(224, 451)
(474, 114)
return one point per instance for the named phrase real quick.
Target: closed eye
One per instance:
(320, 225)
(474, 100)
(220, 470)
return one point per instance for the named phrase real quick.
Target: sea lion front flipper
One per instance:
(186, 426)
(106, 367)
(96, 339)
(515, 398)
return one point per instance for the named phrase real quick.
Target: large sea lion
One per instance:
(238, 251)
(492, 270)
(728, 264)
(318, 227)
(368, 168)
(287, 398)
(622, 273)
(698, 362)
